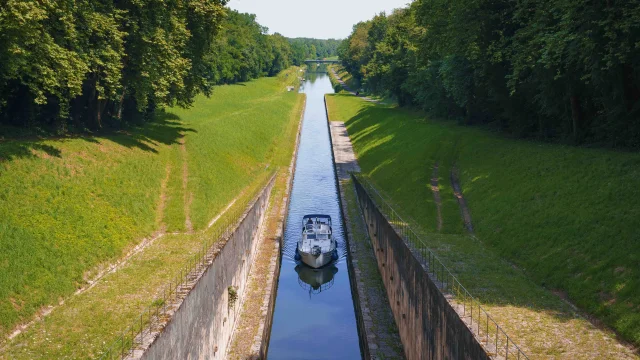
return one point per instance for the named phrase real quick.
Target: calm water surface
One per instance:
(314, 316)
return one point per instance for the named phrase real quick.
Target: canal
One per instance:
(314, 316)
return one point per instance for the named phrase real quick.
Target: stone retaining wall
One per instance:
(430, 328)
(202, 325)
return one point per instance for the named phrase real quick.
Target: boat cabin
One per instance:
(316, 226)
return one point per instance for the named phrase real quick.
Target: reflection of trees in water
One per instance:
(314, 69)
(313, 76)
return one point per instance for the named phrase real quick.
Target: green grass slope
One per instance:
(69, 206)
(567, 217)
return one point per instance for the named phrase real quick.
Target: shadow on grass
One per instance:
(396, 147)
(166, 129)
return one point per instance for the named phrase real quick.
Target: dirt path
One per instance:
(457, 192)
(105, 270)
(436, 194)
(118, 264)
(343, 154)
(163, 200)
(188, 197)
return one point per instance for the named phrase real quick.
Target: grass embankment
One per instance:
(69, 206)
(565, 217)
(353, 85)
(345, 76)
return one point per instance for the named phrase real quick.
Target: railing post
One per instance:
(507, 350)
(496, 338)
(487, 328)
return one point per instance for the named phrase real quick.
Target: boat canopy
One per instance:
(317, 223)
(317, 218)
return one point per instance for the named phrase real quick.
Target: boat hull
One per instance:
(316, 261)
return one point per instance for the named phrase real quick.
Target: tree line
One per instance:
(68, 66)
(305, 48)
(566, 70)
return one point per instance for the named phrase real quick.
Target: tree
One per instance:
(561, 69)
(90, 64)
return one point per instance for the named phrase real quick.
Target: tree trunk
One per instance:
(121, 105)
(100, 106)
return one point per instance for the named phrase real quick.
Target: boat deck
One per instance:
(316, 234)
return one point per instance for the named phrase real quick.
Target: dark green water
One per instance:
(314, 316)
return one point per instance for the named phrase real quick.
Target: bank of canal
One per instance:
(314, 316)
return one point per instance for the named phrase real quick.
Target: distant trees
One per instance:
(244, 51)
(76, 65)
(305, 48)
(560, 69)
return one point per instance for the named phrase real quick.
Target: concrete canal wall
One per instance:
(202, 325)
(430, 328)
(282, 224)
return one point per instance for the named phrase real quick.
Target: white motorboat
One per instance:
(317, 247)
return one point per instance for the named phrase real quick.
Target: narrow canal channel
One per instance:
(314, 316)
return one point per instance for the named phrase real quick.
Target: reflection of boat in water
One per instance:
(317, 247)
(316, 280)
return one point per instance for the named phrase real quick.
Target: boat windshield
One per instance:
(323, 236)
(311, 236)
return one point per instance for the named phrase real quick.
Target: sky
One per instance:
(322, 19)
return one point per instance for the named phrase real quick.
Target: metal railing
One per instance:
(487, 331)
(143, 329)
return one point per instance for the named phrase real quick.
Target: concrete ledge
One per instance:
(362, 335)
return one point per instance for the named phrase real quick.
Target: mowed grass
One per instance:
(352, 83)
(88, 323)
(547, 218)
(69, 206)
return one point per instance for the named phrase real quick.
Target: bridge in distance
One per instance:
(319, 61)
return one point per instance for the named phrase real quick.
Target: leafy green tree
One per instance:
(84, 63)
(581, 61)
(563, 69)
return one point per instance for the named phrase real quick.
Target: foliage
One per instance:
(305, 48)
(244, 51)
(77, 63)
(233, 296)
(556, 69)
(88, 65)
